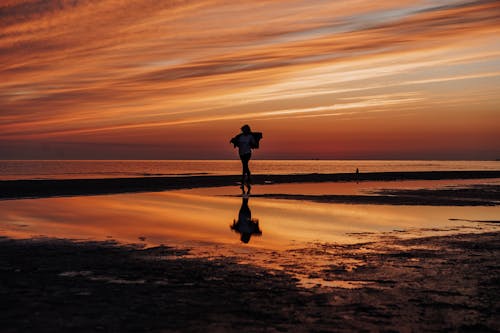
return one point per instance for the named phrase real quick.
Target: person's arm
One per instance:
(235, 141)
(253, 142)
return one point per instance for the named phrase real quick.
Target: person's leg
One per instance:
(244, 165)
(245, 170)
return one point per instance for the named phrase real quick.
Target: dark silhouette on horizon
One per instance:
(246, 226)
(246, 141)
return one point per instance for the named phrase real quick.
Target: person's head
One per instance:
(245, 129)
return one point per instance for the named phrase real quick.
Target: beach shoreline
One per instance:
(24, 189)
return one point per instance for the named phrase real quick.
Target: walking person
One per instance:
(246, 141)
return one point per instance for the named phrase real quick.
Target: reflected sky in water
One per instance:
(189, 217)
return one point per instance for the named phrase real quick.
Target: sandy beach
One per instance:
(66, 267)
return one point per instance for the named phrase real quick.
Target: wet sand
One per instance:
(16, 189)
(448, 283)
(474, 195)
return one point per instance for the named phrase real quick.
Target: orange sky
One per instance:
(322, 79)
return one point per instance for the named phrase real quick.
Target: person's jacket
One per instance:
(257, 136)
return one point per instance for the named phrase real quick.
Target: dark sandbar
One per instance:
(475, 195)
(16, 189)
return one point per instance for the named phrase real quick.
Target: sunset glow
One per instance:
(321, 79)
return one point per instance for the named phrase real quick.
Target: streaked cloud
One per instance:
(71, 68)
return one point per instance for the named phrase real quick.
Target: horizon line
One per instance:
(264, 159)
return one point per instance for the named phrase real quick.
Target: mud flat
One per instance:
(474, 195)
(445, 283)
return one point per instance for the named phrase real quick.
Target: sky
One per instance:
(148, 79)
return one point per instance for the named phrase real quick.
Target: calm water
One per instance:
(204, 215)
(110, 169)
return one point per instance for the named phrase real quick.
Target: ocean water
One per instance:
(76, 169)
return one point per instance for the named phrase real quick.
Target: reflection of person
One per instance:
(245, 141)
(245, 225)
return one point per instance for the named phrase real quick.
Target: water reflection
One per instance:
(185, 218)
(246, 226)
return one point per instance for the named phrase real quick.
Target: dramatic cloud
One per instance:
(127, 71)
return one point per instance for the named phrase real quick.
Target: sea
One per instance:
(84, 169)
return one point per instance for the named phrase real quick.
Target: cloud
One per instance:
(78, 67)
(359, 105)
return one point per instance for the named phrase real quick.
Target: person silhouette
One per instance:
(245, 225)
(245, 141)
